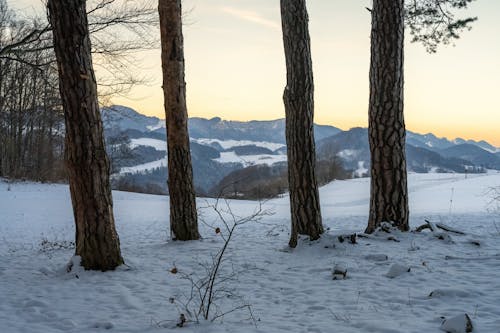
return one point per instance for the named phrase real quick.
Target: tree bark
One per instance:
(183, 215)
(389, 191)
(88, 168)
(298, 98)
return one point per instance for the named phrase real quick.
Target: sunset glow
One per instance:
(235, 68)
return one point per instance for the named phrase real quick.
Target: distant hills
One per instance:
(121, 118)
(220, 147)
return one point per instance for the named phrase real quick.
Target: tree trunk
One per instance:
(88, 168)
(389, 192)
(299, 109)
(183, 215)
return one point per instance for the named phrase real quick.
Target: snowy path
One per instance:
(290, 291)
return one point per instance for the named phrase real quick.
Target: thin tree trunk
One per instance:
(183, 215)
(88, 168)
(299, 109)
(389, 192)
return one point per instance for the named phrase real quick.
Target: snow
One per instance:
(225, 157)
(145, 166)
(155, 143)
(288, 290)
(457, 324)
(161, 124)
(348, 154)
(361, 170)
(248, 160)
(227, 144)
(396, 270)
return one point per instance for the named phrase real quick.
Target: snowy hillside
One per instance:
(236, 145)
(288, 290)
(220, 148)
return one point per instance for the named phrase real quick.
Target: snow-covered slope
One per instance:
(288, 290)
(228, 144)
(241, 144)
(120, 118)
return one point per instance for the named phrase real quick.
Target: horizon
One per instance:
(235, 68)
(316, 123)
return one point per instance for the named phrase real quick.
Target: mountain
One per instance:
(255, 130)
(423, 160)
(122, 118)
(220, 148)
(481, 144)
(352, 148)
(430, 141)
(473, 153)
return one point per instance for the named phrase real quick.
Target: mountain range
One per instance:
(220, 147)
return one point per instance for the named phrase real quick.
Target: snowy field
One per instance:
(227, 144)
(288, 290)
(225, 157)
(249, 160)
(159, 145)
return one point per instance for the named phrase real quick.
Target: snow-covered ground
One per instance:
(288, 290)
(145, 166)
(227, 144)
(160, 145)
(248, 160)
(225, 157)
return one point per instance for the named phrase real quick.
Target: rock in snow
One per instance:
(339, 272)
(397, 270)
(457, 324)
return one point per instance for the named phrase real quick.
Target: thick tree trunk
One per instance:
(96, 239)
(183, 215)
(299, 108)
(389, 192)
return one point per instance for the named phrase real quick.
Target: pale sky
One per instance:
(235, 68)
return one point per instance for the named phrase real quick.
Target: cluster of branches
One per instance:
(433, 22)
(30, 113)
(118, 28)
(31, 117)
(210, 288)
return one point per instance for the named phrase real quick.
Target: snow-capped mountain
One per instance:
(430, 141)
(220, 147)
(424, 153)
(475, 153)
(121, 118)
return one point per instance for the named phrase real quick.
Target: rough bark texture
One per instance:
(88, 168)
(183, 216)
(389, 192)
(299, 108)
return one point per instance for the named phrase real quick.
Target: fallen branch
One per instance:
(449, 229)
(435, 226)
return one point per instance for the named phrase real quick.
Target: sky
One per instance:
(235, 68)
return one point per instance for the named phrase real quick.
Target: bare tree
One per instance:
(31, 117)
(88, 168)
(183, 215)
(299, 108)
(118, 29)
